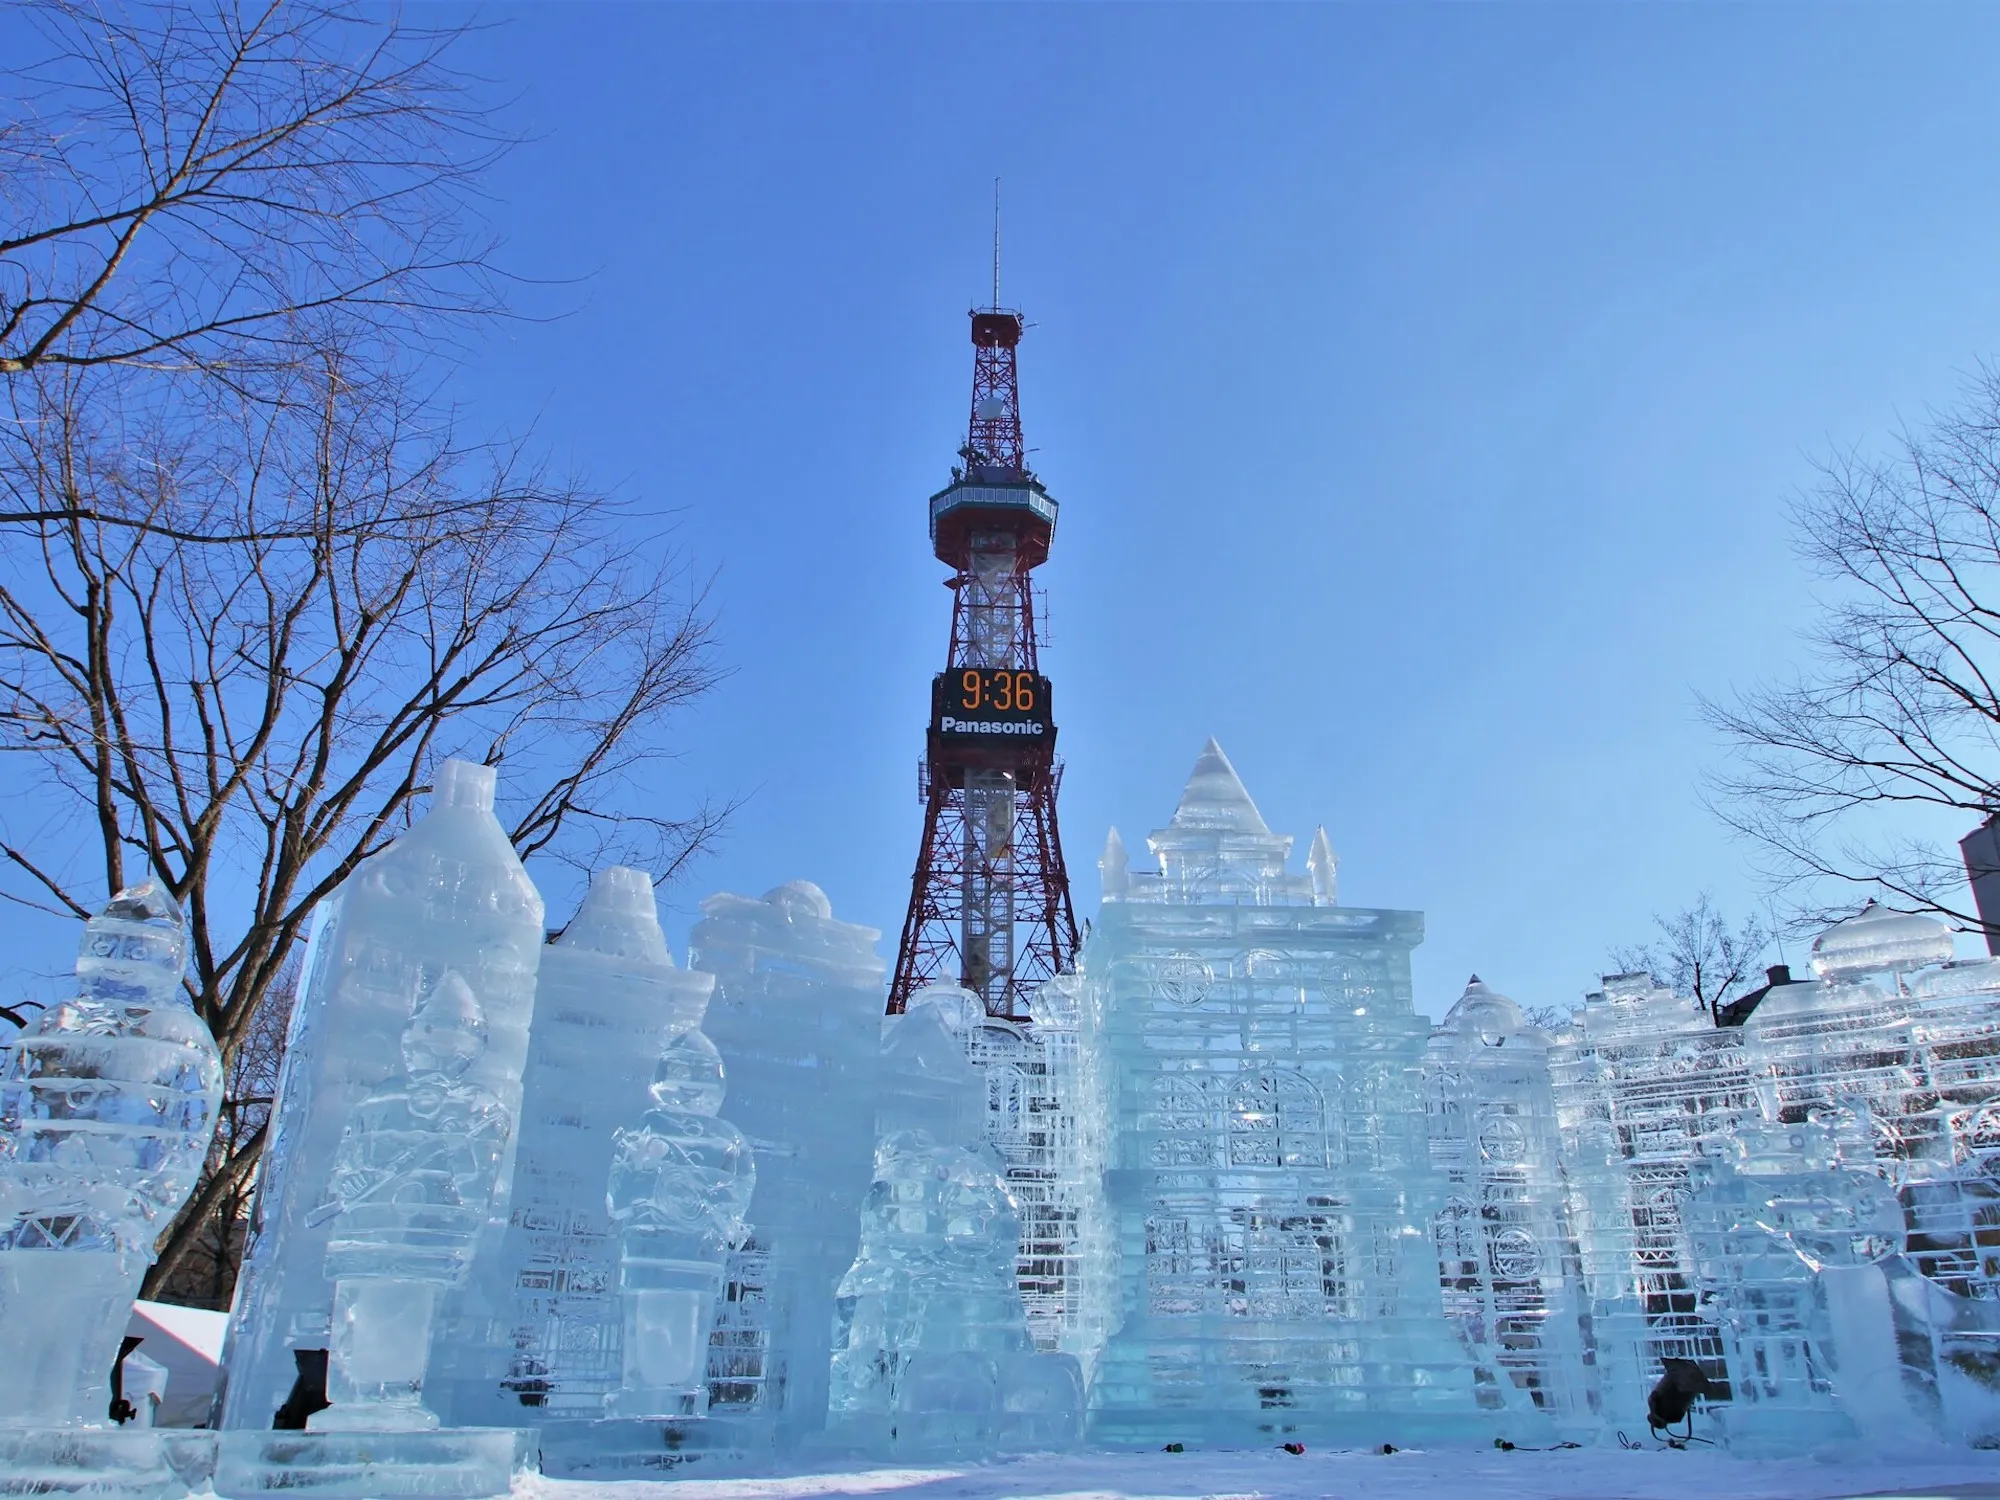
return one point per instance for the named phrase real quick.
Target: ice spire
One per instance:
(1214, 798)
(1323, 865)
(1115, 867)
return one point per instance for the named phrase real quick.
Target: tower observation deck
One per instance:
(989, 899)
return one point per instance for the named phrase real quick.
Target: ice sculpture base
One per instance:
(116, 1463)
(451, 1463)
(1365, 1430)
(651, 1447)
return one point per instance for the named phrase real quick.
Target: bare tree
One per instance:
(226, 184)
(205, 1275)
(248, 721)
(1858, 771)
(1699, 952)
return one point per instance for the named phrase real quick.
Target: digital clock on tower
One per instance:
(989, 702)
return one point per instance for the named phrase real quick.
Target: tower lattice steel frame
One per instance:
(989, 900)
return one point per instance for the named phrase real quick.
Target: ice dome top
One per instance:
(1485, 1013)
(1876, 940)
(800, 898)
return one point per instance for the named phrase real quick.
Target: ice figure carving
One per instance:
(797, 1010)
(406, 1200)
(931, 1352)
(680, 1181)
(537, 1335)
(1257, 1054)
(106, 1108)
(450, 894)
(1503, 1232)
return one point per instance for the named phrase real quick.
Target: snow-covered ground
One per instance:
(1583, 1474)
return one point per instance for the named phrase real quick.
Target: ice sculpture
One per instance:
(448, 896)
(1645, 1084)
(1268, 1168)
(1503, 1233)
(408, 1193)
(796, 1017)
(106, 1108)
(536, 1336)
(931, 1352)
(1772, 1230)
(680, 1181)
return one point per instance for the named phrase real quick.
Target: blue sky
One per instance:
(1424, 387)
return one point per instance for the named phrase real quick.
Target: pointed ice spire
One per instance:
(1214, 798)
(1114, 867)
(1323, 865)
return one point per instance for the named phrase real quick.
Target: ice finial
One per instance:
(1214, 798)
(688, 1077)
(619, 917)
(460, 783)
(134, 948)
(447, 1031)
(1115, 867)
(1323, 866)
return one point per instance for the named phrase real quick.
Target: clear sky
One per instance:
(1423, 386)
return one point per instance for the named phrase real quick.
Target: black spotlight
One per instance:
(1673, 1398)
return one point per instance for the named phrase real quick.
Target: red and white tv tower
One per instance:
(989, 903)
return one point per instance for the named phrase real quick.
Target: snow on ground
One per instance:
(1582, 1474)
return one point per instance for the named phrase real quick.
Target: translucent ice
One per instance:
(450, 894)
(931, 1351)
(796, 1016)
(679, 1183)
(1503, 1233)
(1765, 1225)
(106, 1108)
(407, 1196)
(1257, 1059)
(537, 1334)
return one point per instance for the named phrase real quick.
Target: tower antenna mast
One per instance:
(996, 244)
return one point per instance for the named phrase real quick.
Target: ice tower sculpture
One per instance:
(1503, 1234)
(679, 1183)
(449, 895)
(796, 1017)
(931, 1352)
(1268, 1168)
(411, 1182)
(106, 1108)
(538, 1336)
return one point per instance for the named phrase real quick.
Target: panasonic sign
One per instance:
(948, 725)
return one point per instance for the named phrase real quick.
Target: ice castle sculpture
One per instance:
(411, 1182)
(796, 1016)
(1645, 1084)
(680, 1180)
(538, 1337)
(1503, 1238)
(1067, 1265)
(106, 1108)
(1268, 1170)
(1779, 1232)
(447, 897)
(931, 1351)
